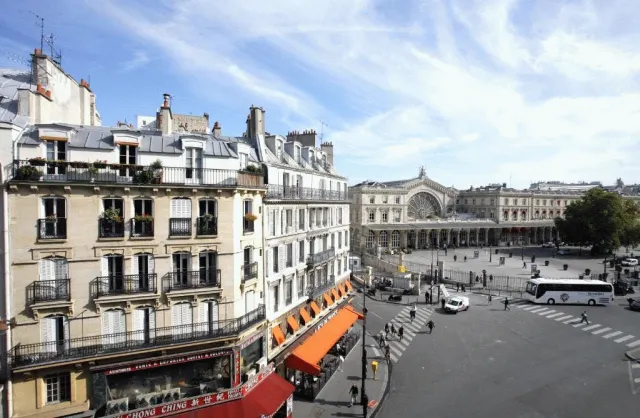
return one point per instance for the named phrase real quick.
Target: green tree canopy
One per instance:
(601, 219)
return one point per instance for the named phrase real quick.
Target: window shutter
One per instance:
(65, 328)
(47, 269)
(272, 222)
(104, 265)
(138, 324)
(215, 308)
(203, 312)
(175, 208)
(294, 253)
(186, 208)
(135, 265)
(269, 254)
(176, 312)
(107, 328)
(187, 314)
(152, 322)
(48, 333)
(281, 256)
(152, 263)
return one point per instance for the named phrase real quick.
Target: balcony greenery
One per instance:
(112, 214)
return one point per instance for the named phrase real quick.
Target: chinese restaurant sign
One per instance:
(168, 362)
(201, 401)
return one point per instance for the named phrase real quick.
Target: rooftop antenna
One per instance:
(18, 59)
(40, 24)
(322, 125)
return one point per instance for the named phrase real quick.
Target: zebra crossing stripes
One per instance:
(590, 327)
(397, 346)
(634, 344)
(613, 334)
(562, 318)
(623, 339)
(546, 312)
(601, 331)
(554, 315)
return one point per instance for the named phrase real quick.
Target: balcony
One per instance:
(192, 279)
(130, 284)
(110, 229)
(142, 228)
(180, 227)
(207, 225)
(249, 271)
(321, 257)
(52, 228)
(313, 291)
(49, 291)
(304, 193)
(126, 342)
(36, 170)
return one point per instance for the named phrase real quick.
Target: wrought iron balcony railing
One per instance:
(142, 228)
(249, 271)
(110, 229)
(39, 170)
(49, 291)
(207, 225)
(129, 284)
(321, 257)
(25, 355)
(304, 193)
(192, 279)
(52, 228)
(180, 227)
(313, 291)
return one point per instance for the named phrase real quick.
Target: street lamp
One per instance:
(490, 252)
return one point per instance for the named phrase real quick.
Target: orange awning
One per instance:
(335, 294)
(278, 335)
(349, 285)
(305, 315)
(307, 356)
(293, 323)
(315, 308)
(327, 299)
(342, 289)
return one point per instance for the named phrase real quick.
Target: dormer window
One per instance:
(324, 160)
(128, 155)
(296, 154)
(56, 151)
(193, 163)
(279, 149)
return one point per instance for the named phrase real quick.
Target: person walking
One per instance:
(430, 325)
(524, 264)
(426, 298)
(489, 298)
(381, 339)
(457, 287)
(584, 318)
(443, 301)
(393, 330)
(401, 332)
(412, 312)
(506, 304)
(353, 393)
(387, 353)
(374, 368)
(386, 329)
(340, 363)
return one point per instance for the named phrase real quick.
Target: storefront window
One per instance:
(250, 355)
(145, 388)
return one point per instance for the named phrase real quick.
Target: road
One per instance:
(526, 362)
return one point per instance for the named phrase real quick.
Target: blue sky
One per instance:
(478, 91)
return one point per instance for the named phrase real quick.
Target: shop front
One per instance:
(323, 332)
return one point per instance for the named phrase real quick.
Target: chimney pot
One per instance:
(166, 97)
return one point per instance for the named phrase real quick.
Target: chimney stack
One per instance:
(327, 148)
(164, 117)
(217, 129)
(255, 121)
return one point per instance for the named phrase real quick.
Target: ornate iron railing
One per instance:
(49, 291)
(52, 228)
(141, 228)
(249, 271)
(110, 229)
(192, 279)
(207, 225)
(180, 227)
(321, 257)
(304, 193)
(129, 284)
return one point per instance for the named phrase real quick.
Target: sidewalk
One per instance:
(333, 400)
(633, 355)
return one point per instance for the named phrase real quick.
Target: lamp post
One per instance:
(363, 396)
(490, 252)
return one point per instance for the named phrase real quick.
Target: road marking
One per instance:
(590, 327)
(623, 339)
(549, 312)
(376, 352)
(637, 380)
(539, 310)
(523, 305)
(407, 336)
(528, 308)
(412, 327)
(409, 333)
(635, 366)
(570, 320)
(613, 334)
(398, 352)
(393, 357)
(562, 318)
(405, 342)
(556, 314)
(579, 324)
(632, 380)
(601, 330)
(634, 344)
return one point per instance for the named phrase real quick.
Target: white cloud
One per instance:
(139, 59)
(477, 91)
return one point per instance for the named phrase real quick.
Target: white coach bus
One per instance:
(570, 291)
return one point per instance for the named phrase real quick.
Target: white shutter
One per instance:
(138, 324)
(107, 328)
(135, 269)
(281, 256)
(67, 334)
(152, 263)
(269, 255)
(175, 208)
(187, 314)
(294, 253)
(152, 322)
(272, 223)
(215, 314)
(104, 265)
(203, 316)
(186, 208)
(176, 315)
(120, 325)
(48, 334)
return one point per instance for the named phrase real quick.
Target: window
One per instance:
(143, 218)
(300, 219)
(112, 281)
(142, 267)
(396, 215)
(208, 265)
(491, 202)
(208, 316)
(325, 217)
(395, 239)
(114, 327)
(275, 296)
(54, 283)
(249, 216)
(340, 239)
(250, 301)
(340, 216)
(181, 318)
(397, 200)
(339, 266)
(144, 324)
(279, 149)
(346, 240)
(181, 269)
(288, 292)
(333, 240)
(276, 258)
(371, 239)
(207, 217)
(56, 151)
(300, 284)
(289, 218)
(372, 216)
(506, 202)
(53, 225)
(128, 155)
(312, 214)
(289, 255)
(385, 199)
(180, 217)
(111, 220)
(385, 216)
(193, 164)
(244, 158)
(55, 333)
(301, 252)
(383, 239)
(372, 200)
(58, 387)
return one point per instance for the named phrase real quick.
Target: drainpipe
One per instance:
(7, 295)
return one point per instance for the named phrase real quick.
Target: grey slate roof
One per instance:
(152, 141)
(10, 82)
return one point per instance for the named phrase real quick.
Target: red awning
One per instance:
(265, 399)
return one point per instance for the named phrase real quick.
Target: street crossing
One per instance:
(602, 331)
(398, 346)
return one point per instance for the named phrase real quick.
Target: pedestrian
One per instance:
(443, 302)
(412, 312)
(463, 288)
(393, 330)
(489, 298)
(506, 304)
(584, 318)
(457, 287)
(400, 332)
(426, 297)
(524, 264)
(340, 362)
(374, 368)
(353, 392)
(465, 258)
(386, 329)
(430, 325)
(381, 339)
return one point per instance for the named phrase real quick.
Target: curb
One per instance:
(387, 386)
(631, 355)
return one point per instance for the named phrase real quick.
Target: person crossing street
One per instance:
(412, 312)
(584, 317)
(506, 304)
(393, 330)
(401, 332)
(431, 326)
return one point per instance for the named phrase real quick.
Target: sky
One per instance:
(477, 91)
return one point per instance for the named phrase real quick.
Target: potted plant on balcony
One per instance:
(100, 164)
(57, 163)
(156, 169)
(115, 166)
(253, 169)
(145, 217)
(78, 164)
(112, 215)
(250, 217)
(143, 176)
(37, 162)
(27, 172)
(93, 172)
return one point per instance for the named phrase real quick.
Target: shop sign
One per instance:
(326, 320)
(246, 343)
(168, 362)
(199, 401)
(236, 362)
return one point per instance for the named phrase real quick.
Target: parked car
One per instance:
(456, 304)
(634, 305)
(548, 245)
(629, 262)
(564, 252)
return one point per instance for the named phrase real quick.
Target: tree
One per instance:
(602, 220)
(619, 183)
